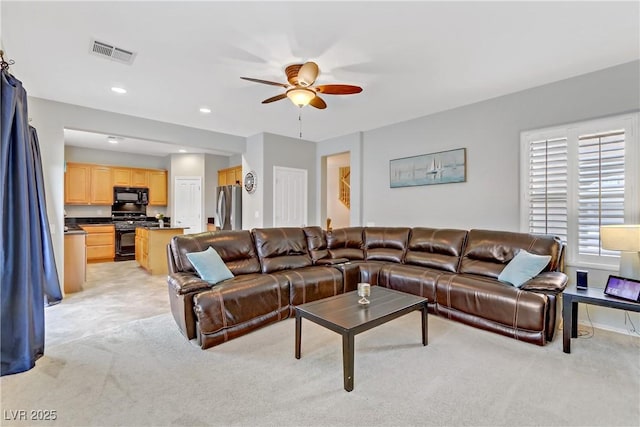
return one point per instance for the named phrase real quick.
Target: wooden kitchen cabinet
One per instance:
(91, 184)
(75, 261)
(151, 248)
(142, 249)
(121, 177)
(101, 242)
(139, 178)
(101, 185)
(130, 177)
(77, 184)
(230, 176)
(157, 188)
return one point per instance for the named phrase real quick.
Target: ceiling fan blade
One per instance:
(266, 82)
(308, 74)
(338, 89)
(318, 103)
(275, 98)
(292, 73)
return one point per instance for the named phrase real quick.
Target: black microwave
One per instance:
(139, 196)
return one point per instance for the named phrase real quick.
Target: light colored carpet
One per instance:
(143, 372)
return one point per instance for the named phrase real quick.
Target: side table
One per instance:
(570, 299)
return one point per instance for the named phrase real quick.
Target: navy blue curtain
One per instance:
(28, 275)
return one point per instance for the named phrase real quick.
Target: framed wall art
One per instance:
(443, 167)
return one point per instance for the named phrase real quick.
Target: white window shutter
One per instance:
(601, 183)
(547, 187)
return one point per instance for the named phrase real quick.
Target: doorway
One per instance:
(338, 190)
(187, 196)
(289, 197)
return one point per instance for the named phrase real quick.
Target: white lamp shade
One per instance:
(623, 237)
(301, 96)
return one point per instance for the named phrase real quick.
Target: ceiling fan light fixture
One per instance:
(301, 96)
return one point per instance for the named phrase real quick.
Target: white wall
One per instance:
(490, 131)
(264, 151)
(234, 160)
(114, 158)
(253, 204)
(50, 118)
(336, 210)
(292, 153)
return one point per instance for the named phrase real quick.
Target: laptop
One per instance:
(624, 288)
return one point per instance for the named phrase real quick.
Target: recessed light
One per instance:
(182, 151)
(118, 89)
(114, 139)
(205, 110)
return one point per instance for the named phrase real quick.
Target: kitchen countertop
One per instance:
(75, 232)
(165, 228)
(73, 229)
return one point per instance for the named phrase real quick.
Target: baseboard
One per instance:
(586, 325)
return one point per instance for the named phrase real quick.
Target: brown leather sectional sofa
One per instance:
(276, 269)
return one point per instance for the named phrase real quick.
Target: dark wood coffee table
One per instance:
(343, 314)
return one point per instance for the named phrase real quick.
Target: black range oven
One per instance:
(125, 244)
(128, 213)
(126, 236)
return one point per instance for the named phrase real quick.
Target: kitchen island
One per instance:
(151, 247)
(75, 258)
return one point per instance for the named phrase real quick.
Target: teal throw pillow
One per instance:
(210, 266)
(523, 267)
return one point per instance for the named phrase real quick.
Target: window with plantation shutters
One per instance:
(577, 178)
(547, 187)
(600, 188)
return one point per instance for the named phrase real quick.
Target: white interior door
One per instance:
(187, 202)
(289, 197)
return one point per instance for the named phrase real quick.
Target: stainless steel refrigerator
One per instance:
(229, 207)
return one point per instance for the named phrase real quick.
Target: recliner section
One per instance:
(276, 269)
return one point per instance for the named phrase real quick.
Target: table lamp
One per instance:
(626, 239)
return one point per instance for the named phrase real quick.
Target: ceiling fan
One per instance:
(300, 89)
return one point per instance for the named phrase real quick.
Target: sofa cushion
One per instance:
(499, 303)
(281, 248)
(412, 279)
(523, 267)
(234, 247)
(346, 243)
(435, 248)
(316, 243)
(385, 243)
(488, 252)
(242, 303)
(312, 283)
(210, 266)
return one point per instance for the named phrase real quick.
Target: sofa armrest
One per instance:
(185, 283)
(331, 261)
(549, 282)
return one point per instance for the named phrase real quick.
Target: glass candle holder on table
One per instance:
(364, 291)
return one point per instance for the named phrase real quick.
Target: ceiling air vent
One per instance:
(105, 50)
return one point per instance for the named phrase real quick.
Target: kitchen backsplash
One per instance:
(105, 211)
(87, 211)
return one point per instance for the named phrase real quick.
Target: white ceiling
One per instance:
(411, 58)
